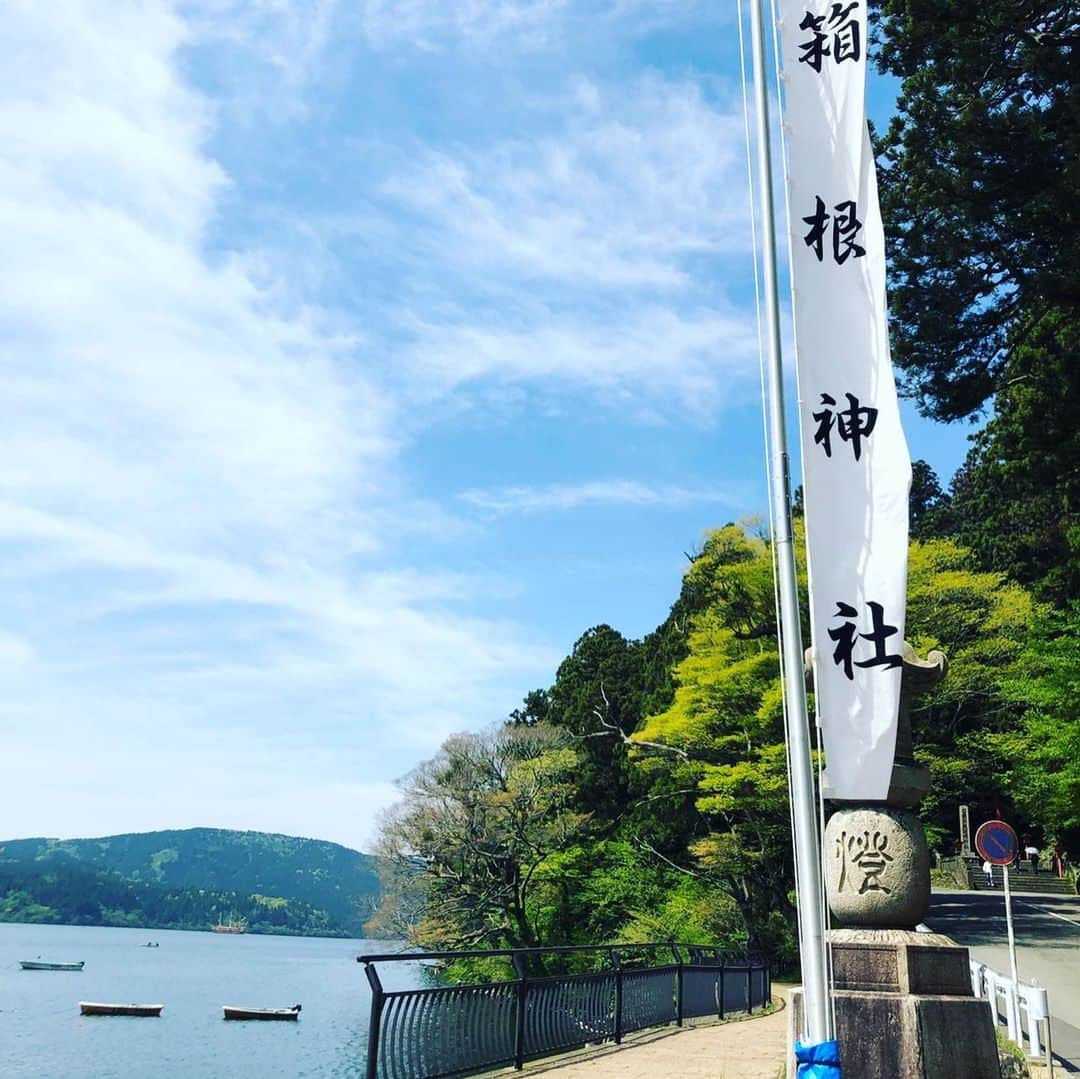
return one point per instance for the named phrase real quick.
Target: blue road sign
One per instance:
(996, 842)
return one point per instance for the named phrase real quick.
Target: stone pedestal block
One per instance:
(905, 1009)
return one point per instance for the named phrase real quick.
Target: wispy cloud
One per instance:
(208, 518)
(199, 504)
(509, 500)
(645, 180)
(586, 257)
(657, 361)
(431, 24)
(289, 37)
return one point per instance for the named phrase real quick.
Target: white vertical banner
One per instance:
(856, 468)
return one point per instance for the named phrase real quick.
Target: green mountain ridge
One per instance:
(276, 883)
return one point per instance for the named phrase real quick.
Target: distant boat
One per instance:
(231, 927)
(151, 944)
(37, 964)
(281, 1014)
(89, 1007)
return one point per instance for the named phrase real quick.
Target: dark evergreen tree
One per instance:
(980, 187)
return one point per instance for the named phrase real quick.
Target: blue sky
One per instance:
(359, 356)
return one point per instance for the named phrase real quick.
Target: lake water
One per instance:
(193, 974)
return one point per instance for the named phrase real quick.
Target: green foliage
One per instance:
(690, 912)
(982, 623)
(926, 503)
(1044, 780)
(467, 846)
(658, 804)
(727, 715)
(979, 187)
(1016, 500)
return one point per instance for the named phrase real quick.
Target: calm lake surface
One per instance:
(193, 974)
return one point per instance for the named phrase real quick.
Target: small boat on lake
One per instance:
(151, 944)
(229, 927)
(38, 964)
(89, 1007)
(280, 1014)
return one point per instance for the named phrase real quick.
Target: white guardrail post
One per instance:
(990, 984)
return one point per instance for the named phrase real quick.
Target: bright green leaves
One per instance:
(465, 847)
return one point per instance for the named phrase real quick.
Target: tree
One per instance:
(534, 709)
(982, 622)
(727, 718)
(1044, 779)
(476, 825)
(598, 691)
(1016, 500)
(727, 715)
(928, 503)
(980, 185)
(601, 693)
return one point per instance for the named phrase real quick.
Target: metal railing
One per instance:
(454, 1029)
(989, 984)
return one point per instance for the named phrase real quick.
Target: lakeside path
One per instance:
(752, 1048)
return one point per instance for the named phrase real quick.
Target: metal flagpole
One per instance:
(807, 857)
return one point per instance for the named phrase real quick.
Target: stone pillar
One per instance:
(903, 999)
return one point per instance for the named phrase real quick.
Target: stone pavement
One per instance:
(751, 1048)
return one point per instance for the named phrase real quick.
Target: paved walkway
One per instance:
(752, 1048)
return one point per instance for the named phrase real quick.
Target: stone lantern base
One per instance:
(905, 1008)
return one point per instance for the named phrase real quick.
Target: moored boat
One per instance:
(89, 1007)
(281, 1014)
(38, 964)
(230, 927)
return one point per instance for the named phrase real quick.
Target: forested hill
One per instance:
(63, 892)
(335, 887)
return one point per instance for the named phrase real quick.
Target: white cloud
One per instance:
(203, 494)
(200, 490)
(657, 359)
(289, 37)
(568, 496)
(432, 24)
(585, 256)
(643, 180)
(15, 653)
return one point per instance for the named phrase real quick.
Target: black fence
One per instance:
(455, 1029)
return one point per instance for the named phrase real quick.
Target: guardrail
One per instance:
(991, 985)
(454, 1029)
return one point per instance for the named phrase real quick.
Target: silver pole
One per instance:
(807, 848)
(1012, 955)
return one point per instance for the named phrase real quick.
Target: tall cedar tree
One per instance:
(980, 184)
(980, 187)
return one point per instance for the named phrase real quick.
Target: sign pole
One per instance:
(1012, 951)
(804, 819)
(997, 843)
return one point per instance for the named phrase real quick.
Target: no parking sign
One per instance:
(996, 842)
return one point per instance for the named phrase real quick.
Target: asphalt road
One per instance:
(1047, 929)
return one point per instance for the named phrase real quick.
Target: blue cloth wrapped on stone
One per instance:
(821, 1061)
